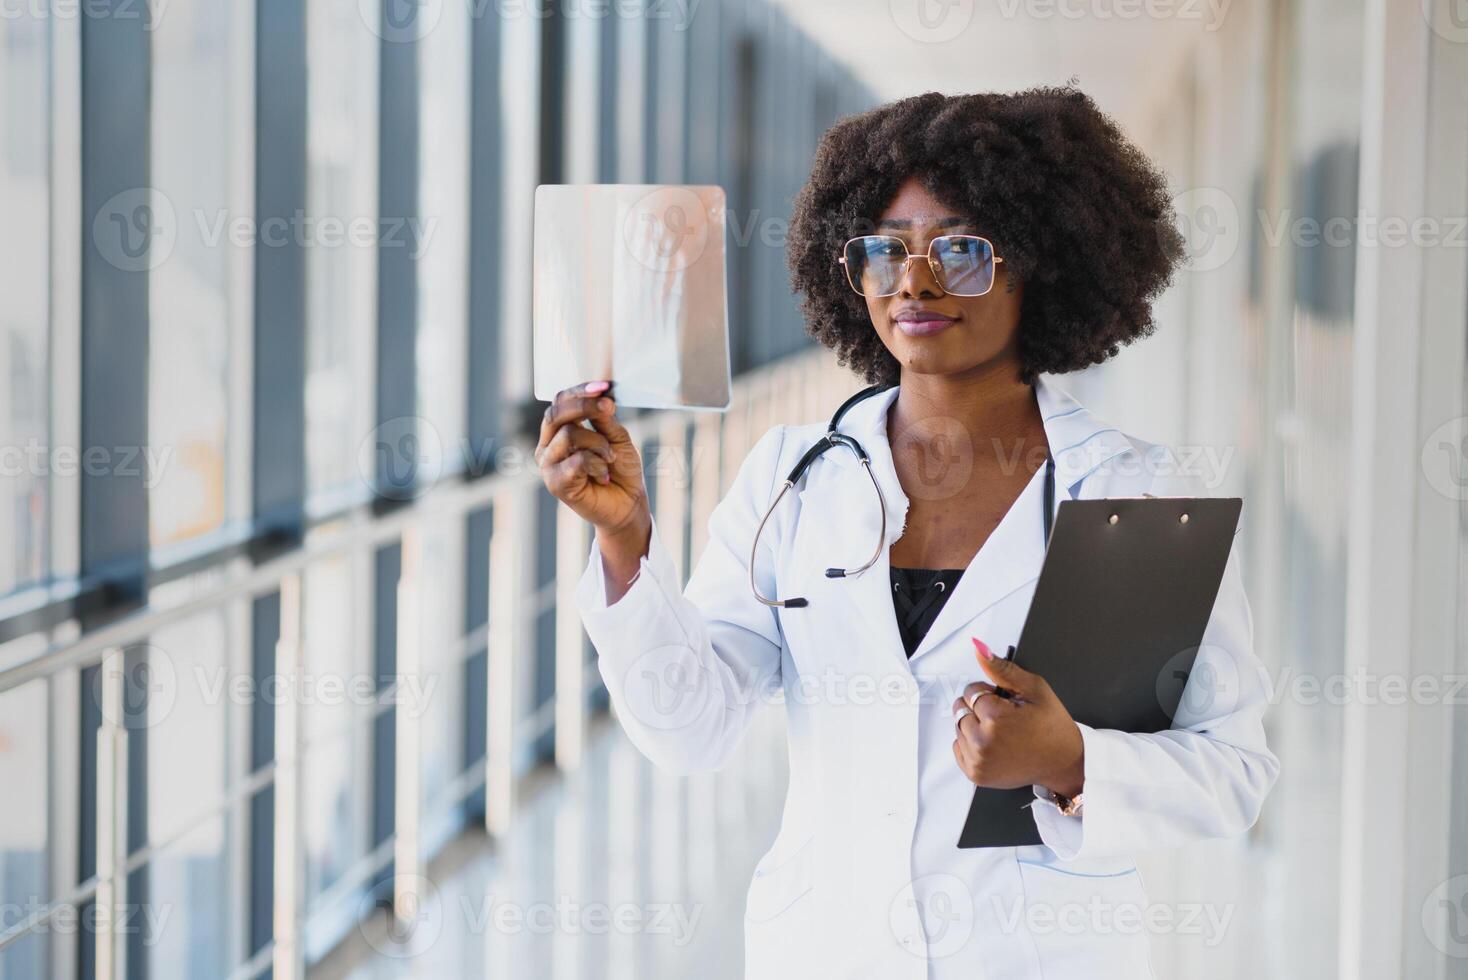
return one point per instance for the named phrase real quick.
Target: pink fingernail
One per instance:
(983, 648)
(597, 386)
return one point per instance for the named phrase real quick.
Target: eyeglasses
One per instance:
(963, 265)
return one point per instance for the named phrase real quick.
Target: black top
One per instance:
(917, 595)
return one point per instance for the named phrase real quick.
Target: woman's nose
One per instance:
(918, 279)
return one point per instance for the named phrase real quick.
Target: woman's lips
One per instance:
(923, 324)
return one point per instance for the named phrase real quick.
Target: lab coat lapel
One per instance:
(1008, 560)
(1080, 443)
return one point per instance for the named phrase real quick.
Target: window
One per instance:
(443, 293)
(25, 284)
(339, 236)
(189, 291)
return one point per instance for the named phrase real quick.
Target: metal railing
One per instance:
(795, 389)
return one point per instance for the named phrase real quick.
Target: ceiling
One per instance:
(1116, 51)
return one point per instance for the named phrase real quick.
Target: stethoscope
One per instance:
(834, 438)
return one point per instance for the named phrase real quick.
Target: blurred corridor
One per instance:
(291, 681)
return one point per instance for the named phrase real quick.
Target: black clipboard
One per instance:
(1118, 615)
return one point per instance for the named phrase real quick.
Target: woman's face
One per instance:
(930, 331)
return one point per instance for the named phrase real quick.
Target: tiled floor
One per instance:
(618, 871)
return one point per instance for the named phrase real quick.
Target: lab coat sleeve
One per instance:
(687, 668)
(1206, 777)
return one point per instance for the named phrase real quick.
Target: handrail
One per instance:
(331, 539)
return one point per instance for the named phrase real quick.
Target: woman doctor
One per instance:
(952, 248)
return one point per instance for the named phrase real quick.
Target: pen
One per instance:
(1002, 692)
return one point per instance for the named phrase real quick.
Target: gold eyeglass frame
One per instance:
(932, 267)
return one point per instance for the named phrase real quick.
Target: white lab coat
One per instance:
(864, 878)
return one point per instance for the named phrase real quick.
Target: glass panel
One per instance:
(186, 920)
(437, 697)
(443, 292)
(24, 751)
(188, 382)
(340, 240)
(335, 687)
(25, 959)
(188, 716)
(24, 282)
(335, 804)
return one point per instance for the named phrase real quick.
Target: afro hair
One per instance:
(1078, 213)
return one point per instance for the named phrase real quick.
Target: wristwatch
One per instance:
(1069, 806)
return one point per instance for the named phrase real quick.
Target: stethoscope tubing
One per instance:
(830, 440)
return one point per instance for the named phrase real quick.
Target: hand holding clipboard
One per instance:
(1119, 612)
